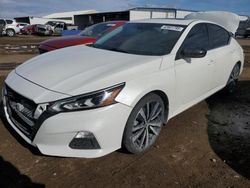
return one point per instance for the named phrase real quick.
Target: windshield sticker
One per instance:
(172, 28)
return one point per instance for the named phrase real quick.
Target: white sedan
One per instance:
(88, 101)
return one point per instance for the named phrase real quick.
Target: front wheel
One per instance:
(144, 124)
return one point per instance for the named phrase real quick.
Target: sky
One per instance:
(16, 8)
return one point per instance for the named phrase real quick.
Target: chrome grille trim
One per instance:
(21, 112)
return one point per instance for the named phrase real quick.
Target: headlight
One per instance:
(92, 100)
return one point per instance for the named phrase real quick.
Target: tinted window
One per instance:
(141, 38)
(2, 22)
(197, 38)
(97, 29)
(9, 21)
(218, 36)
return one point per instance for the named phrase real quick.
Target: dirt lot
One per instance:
(206, 146)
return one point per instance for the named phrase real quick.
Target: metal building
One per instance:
(37, 20)
(85, 20)
(67, 17)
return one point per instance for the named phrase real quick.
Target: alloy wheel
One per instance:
(10, 33)
(147, 125)
(232, 82)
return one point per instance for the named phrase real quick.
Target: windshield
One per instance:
(51, 23)
(97, 30)
(141, 38)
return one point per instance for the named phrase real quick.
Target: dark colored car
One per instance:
(2, 27)
(29, 29)
(87, 36)
(244, 29)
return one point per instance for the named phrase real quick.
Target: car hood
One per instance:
(42, 26)
(81, 69)
(68, 41)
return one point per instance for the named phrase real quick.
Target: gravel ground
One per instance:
(205, 146)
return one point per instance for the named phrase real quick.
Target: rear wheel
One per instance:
(144, 124)
(10, 32)
(233, 79)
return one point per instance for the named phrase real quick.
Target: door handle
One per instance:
(211, 62)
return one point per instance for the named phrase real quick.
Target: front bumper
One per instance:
(55, 134)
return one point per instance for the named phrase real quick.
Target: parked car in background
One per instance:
(2, 27)
(88, 101)
(29, 29)
(22, 25)
(12, 28)
(87, 36)
(244, 29)
(53, 28)
(9, 27)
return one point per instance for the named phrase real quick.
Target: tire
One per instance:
(10, 32)
(233, 79)
(144, 124)
(50, 33)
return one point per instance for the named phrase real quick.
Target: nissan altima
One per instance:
(88, 101)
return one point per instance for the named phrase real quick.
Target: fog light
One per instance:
(84, 140)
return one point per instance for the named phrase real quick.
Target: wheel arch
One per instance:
(165, 100)
(158, 92)
(11, 29)
(238, 63)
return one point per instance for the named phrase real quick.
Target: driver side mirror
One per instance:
(193, 53)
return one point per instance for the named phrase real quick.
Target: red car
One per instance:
(87, 36)
(29, 30)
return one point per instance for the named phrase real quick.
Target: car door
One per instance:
(58, 28)
(221, 52)
(193, 75)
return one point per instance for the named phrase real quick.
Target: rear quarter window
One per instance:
(218, 36)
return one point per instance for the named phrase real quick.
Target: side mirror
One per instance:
(193, 53)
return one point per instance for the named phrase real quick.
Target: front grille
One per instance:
(21, 112)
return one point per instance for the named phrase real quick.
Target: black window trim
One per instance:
(229, 36)
(177, 57)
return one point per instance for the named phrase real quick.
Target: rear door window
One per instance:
(218, 36)
(9, 21)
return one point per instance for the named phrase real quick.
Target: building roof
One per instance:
(69, 14)
(173, 21)
(160, 9)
